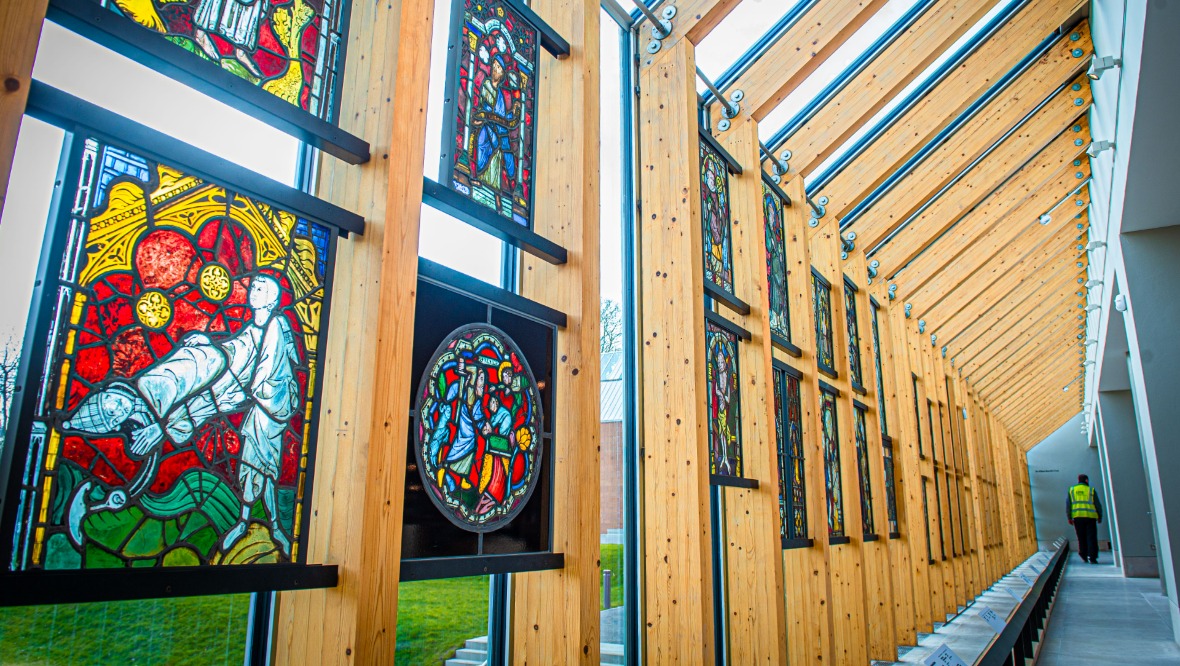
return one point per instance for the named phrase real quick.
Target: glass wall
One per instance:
(617, 458)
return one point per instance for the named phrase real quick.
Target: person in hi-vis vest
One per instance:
(1085, 512)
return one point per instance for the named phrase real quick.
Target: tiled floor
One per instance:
(1102, 618)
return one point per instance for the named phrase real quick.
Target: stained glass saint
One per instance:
(881, 415)
(831, 445)
(491, 96)
(289, 48)
(178, 416)
(788, 421)
(890, 487)
(850, 318)
(721, 373)
(776, 263)
(715, 218)
(478, 431)
(821, 294)
(863, 470)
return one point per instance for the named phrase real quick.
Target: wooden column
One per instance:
(754, 578)
(20, 32)
(900, 558)
(805, 582)
(357, 506)
(849, 636)
(555, 613)
(877, 568)
(677, 580)
(909, 467)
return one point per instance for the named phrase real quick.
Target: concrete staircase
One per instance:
(473, 653)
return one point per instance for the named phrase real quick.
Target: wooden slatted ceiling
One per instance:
(1003, 218)
(943, 103)
(794, 56)
(1008, 111)
(1026, 158)
(870, 90)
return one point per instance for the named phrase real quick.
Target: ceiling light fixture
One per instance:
(1097, 147)
(1100, 64)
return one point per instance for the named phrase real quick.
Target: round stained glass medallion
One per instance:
(478, 428)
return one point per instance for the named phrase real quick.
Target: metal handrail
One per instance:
(1026, 623)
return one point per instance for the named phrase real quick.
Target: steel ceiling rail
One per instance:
(760, 47)
(931, 82)
(948, 131)
(966, 170)
(853, 70)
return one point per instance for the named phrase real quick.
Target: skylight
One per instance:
(746, 26)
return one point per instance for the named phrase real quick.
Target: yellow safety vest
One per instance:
(1081, 502)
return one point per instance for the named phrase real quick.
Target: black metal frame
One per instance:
(858, 406)
(728, 325)
(735, 167)
(69, 113)
(504, 301)
(152, 49)
(81, 120)
(442, 198)
(795, 542)
(785, 345)
(1028, 620)
(479, 215)
(824, 387)
(740, 334)
(725, 298)
(824, 368)
(856, 372)
(777, 190)
(887, 444)
(29, 588)
(878, 364)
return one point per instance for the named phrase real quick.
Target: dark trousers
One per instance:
(1087, 531)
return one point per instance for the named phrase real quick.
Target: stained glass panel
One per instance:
(176, 418)
(478, 430)
(491, 97)
(715, 218)
(926, 520)
(862, 467)
(788, 422)
(831, 443)
(853, 335)
(292, 50)
(890, 488)
(721, 373)
(821, 294)
(880, 377)
(776, 263)
(917, 417)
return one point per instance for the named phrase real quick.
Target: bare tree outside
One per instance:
(612, 326)
(9, 361)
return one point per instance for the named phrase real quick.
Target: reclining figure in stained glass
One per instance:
(253, 371)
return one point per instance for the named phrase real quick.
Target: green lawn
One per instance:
(435, 618)
(198, 630)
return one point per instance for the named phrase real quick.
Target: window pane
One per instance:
(197, 630)
(436, 619)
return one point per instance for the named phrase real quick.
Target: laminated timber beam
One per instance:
(978, 295)
(1037, 375)
(756, 620)
(797, 53)
(959, 218)
(1045, 409)
(20, 33)
(678, 571)
(886, 76)
(947, 100)
(555, 612)
(994, 142)
(695, 19)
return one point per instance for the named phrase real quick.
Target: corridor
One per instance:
(1103, 618)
